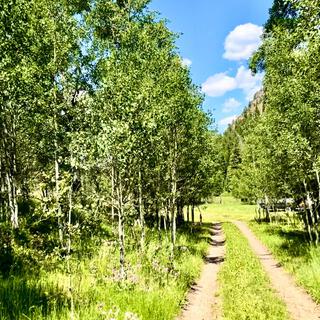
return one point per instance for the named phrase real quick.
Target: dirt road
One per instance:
(299, 303)
(202, 301)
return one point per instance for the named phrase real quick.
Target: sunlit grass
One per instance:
(290, 247)
(287, 241)
(228, 209)
(154, 289)
(245, 289)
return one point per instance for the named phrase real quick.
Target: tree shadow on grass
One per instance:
(196, 233)
(204, 232)
(21, 299)
(213, 230)
(195, 230)
(295, 242)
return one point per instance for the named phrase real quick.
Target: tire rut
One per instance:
(202, 300)
(299, 303)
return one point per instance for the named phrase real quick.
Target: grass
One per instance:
(229, 209)
(289, 246)
(155, 288)
(287, 241)
(245, 288)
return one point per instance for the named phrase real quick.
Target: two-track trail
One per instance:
(299, 304)
(202, 300)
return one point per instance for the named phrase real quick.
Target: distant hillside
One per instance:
(256, 105)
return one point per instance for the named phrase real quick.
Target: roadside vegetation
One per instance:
(291, 248)
(105, 150)
(155, 287)
(271, 151)
(245, 289)
(286, 238)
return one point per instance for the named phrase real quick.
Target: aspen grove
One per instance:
(100, 125)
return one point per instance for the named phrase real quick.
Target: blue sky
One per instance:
(217, 38)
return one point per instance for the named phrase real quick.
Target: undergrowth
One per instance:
(154, 289)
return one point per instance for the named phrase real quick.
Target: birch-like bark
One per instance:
(309, 206)
(159, 216)
(165, 218)
(57, 183)
(121, 230)
(3, 167)
(112, 191)
(173, 195)
(9, 168)
(69, 250)
(318, 181)
(13, 165)
(141, 213)
(56, 158)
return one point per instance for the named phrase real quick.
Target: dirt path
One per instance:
(299, 303)
(202, 302)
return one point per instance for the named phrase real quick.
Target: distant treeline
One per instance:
(273, 149)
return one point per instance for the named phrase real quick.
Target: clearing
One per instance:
(209, 295)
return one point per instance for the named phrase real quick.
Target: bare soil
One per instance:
(299, 304)
(203, 301)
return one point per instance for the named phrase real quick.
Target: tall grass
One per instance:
(154, 289)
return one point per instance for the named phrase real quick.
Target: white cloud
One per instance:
(220, 83)
(228, 120)
(242, 42)
(230, 105)
(249, 83)
(186, 62)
